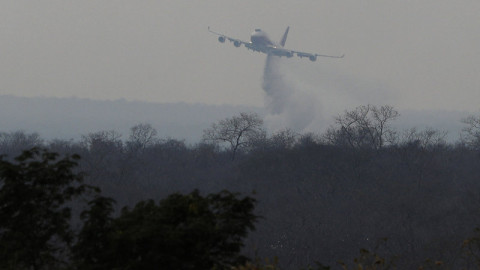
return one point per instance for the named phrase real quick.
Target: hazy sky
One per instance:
(409, 54)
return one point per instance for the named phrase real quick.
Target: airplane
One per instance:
(260, 42)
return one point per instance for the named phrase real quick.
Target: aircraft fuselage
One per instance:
(260, 38)
(262, 43)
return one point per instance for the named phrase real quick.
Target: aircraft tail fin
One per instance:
(284, 38)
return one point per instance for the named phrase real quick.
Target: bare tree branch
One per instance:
(238, 131)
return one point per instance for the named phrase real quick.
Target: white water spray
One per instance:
(287, 105)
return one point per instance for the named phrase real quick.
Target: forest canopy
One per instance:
(310, 197)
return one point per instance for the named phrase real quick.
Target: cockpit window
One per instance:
(257, 30)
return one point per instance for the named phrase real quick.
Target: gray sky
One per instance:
(409, 54)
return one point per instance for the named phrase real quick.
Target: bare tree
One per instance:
(103, 149)
(366, 126)
(13, 143)
(238, 132)
(102, 140)
(142, 136)
(427, 138)
(381, 119)
(471, 133)
(284, 139)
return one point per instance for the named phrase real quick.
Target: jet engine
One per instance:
(221, 39)
(312, 58)
(237, 43)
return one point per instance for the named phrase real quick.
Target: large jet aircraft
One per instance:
(260, 42)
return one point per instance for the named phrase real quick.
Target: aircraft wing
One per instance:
(313, 56)
(236, 42)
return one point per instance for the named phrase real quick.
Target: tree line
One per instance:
(320, 197)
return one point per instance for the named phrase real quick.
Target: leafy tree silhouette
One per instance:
(180, 232)
(34, 217)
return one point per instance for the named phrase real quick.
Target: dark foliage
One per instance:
(181, 232)
(92, 248)
(34, 217)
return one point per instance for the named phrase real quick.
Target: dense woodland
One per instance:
(404, 195)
